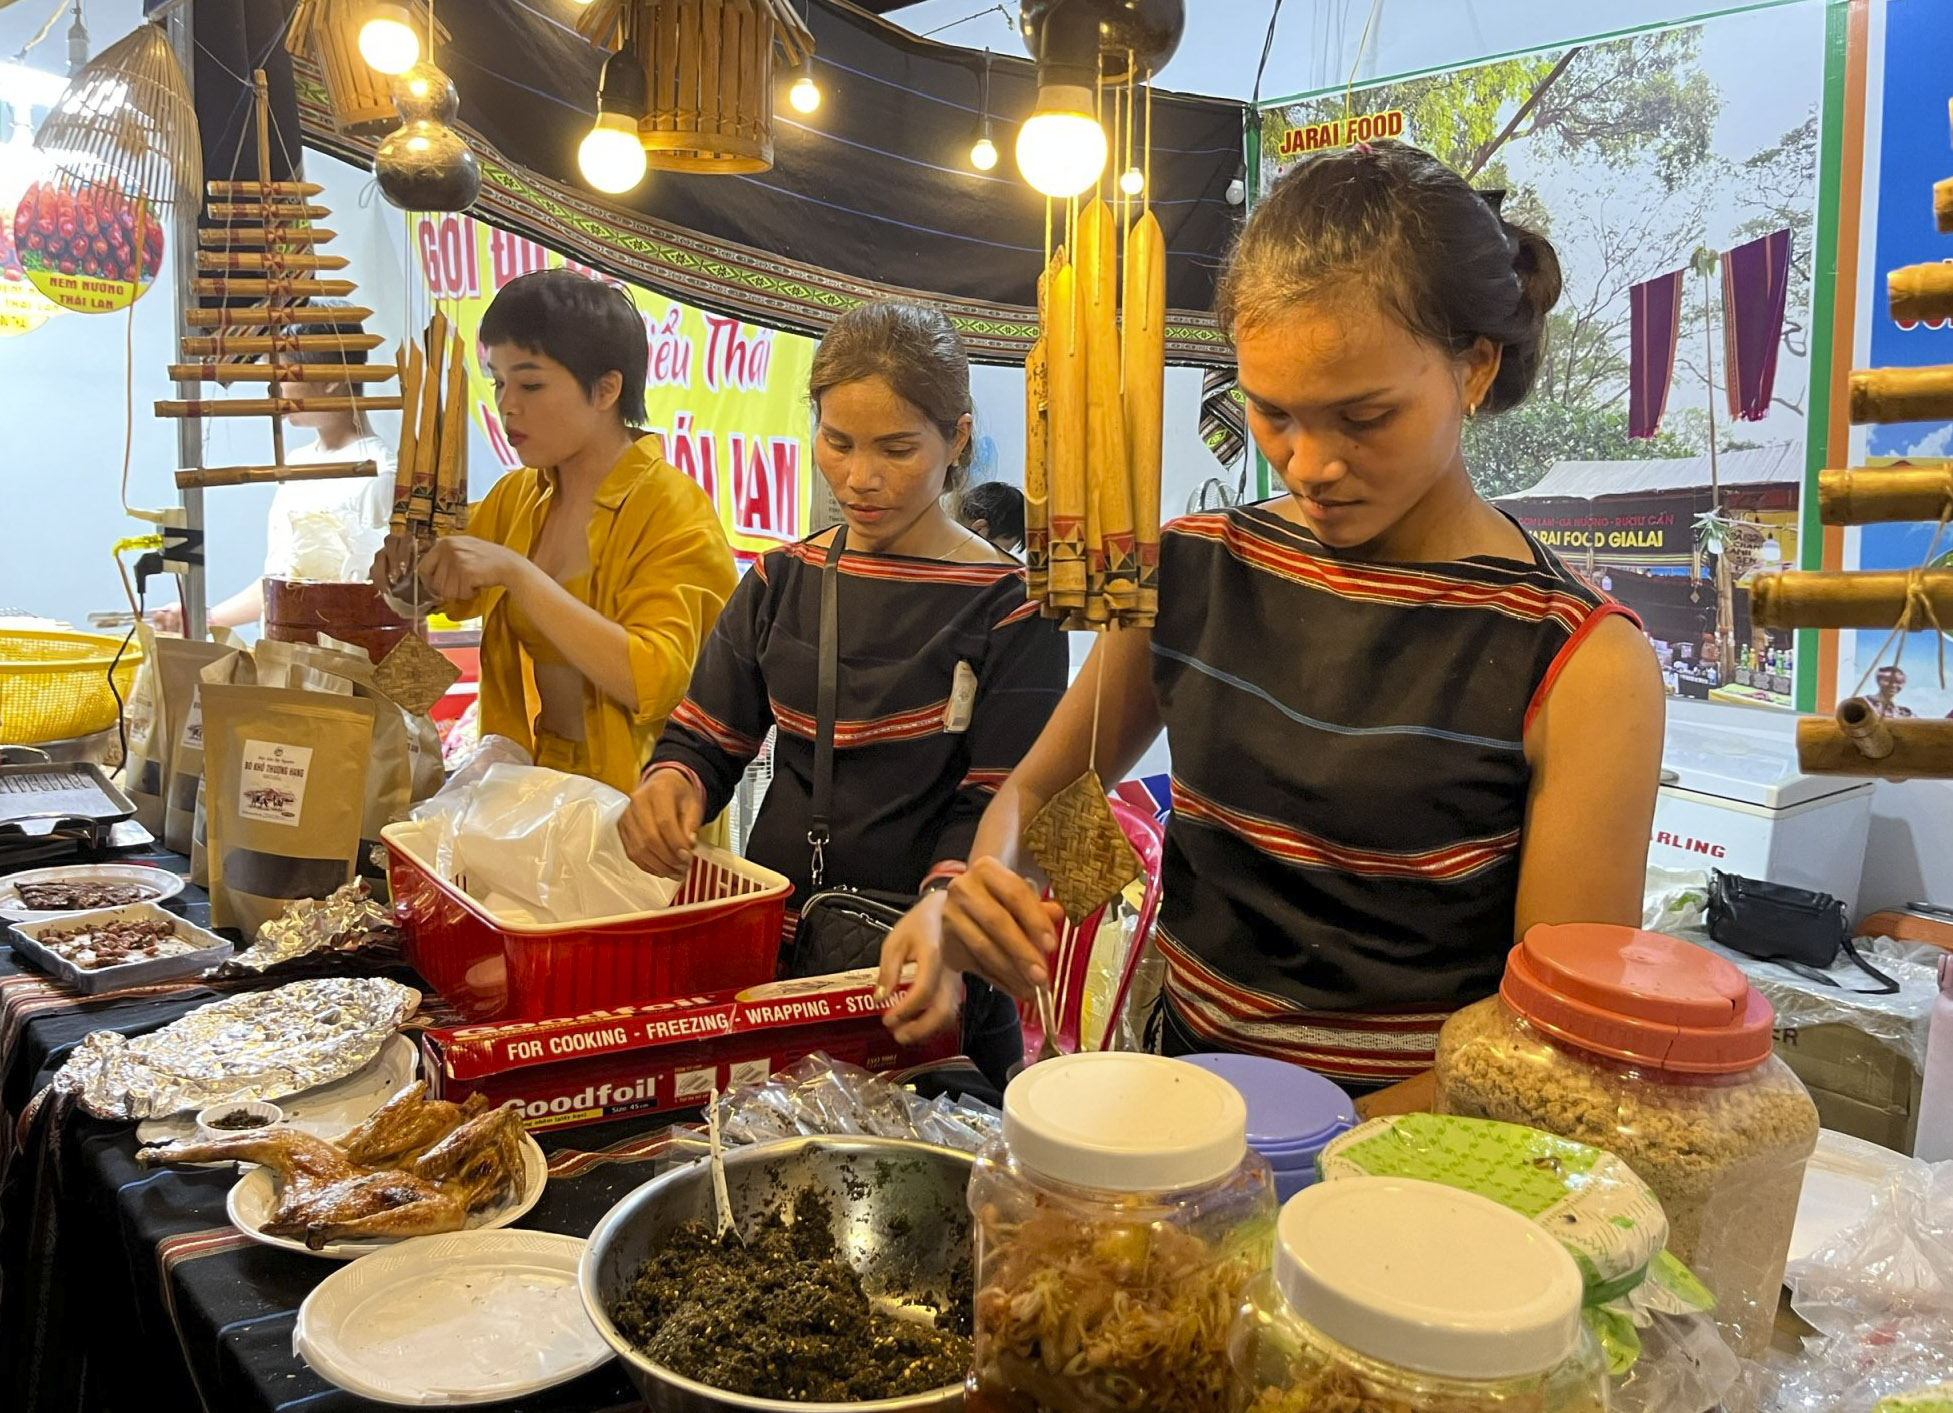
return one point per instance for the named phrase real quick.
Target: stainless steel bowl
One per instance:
(901, 1220)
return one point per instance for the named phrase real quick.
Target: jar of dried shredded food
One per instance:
(1660, 1053)
(1392, 1295)
(1119, 1221)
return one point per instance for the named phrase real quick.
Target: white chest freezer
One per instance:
(1733, 798)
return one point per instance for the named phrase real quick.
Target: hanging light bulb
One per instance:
(805, 95)
(983, 154)
(611, 157)
(387, 40)
(1132, 181)
(1061, 147)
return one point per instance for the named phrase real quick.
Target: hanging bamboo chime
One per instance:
(430, 487)
(276, 268)
(708, 75)
(1857, 739)
(360, 96)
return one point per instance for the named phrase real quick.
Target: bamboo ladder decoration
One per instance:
(1857, 740)
(262, 258)
(708, 75)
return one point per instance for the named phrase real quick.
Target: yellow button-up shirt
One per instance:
(659, 565)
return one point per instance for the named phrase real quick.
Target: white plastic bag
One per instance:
(540, 846)
(329, 549)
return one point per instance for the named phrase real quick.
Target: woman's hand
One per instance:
(929, 1006)
(660, 829)
(458, 567)
(394, 561)
(167, 619)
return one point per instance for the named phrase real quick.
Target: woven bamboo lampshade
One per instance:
(126, 124)
(708, 75)
(361, 97)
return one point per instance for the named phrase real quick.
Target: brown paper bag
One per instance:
(178, 662)
(144, 762)
(285, 779)
(235, 667)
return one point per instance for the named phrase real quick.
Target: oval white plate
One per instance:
(254, 1195)
(447, 1321)
(165, 884)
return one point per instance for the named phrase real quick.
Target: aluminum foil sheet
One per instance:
(346, 921)
(264, 1045)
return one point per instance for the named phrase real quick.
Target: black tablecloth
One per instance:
(123, 1288)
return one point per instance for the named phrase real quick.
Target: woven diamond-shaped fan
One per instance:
(1078, 843)
(126, 124)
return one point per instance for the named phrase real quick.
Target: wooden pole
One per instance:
(1902, 395)
(1884, 494)
(208, 476)
(264, 177)
(1921, 748)
(226, 373)
(1921, 292)
(272, 406)
(1865, 598)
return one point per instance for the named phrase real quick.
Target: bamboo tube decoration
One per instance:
(272, 406)
(1859, 720)
(227, 373)
(1856, 599)
(1902, 395)
(427, 446)
(294, 288)
(268, 262)
(223, 237)
(1112, 574)
(1037, 456)
(451, 468)
(272, 344)
(260, 316)
(262, 190)
(1921, 748)
(1144, 352)
(204, 478)
(1065, 362)
(224, 212)
(414, 363)
(1921, 292)
(1884, 494)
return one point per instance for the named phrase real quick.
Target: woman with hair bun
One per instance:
(1402, 731)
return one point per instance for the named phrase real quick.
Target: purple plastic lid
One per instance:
(1291, 1111)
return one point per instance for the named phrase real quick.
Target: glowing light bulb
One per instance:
(805, 95)
(983, 156)
(1061, 147)
(1132, 181)
(387, 40)
(610, 156)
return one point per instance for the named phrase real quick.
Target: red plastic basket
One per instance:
(721, 933)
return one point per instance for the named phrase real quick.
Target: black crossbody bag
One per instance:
(1797, 929)
(841, 928)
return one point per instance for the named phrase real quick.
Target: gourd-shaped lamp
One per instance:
(424, 165)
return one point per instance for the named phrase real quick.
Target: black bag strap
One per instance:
(829, 654)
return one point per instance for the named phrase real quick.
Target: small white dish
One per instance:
(210, 1121)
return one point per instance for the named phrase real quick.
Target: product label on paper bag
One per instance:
(192, 737)
(271, 782)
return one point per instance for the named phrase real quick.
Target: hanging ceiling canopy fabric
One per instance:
(871, 196)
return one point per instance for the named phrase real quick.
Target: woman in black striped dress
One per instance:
(947, 673)
(1402, 731)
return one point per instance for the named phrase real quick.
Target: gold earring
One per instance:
(1471, 413)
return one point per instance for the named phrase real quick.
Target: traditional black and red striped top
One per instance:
(1349, 782)
(908, 791)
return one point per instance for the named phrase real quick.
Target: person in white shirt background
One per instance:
(358, 507)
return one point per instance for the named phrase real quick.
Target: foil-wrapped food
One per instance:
(263, 1045)
(345, 930)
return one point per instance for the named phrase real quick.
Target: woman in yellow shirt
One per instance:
(599, 576)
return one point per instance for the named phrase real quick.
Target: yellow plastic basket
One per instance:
(55, 686)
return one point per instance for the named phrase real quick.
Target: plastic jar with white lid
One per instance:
(1119, 1222)
(1398, 1296)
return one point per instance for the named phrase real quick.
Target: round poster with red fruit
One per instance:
(23, 308)
(90, 248)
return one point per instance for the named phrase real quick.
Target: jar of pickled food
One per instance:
(1119, 1221)
(1392, 1295)
(1658, 1052)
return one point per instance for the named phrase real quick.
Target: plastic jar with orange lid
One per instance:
(1660, 1053)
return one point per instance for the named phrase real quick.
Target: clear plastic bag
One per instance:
(819, 1095)
(329, 548)
(1880, 1295)
(537, 845)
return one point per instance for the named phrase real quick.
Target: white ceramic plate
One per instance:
(448, 1321)
(325, 1112)
(255, 1194)
(164, 883)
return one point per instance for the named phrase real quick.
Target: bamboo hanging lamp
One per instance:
(1857, 739)
(263, 248)
(360, 96)
(126, 124)
(709, 69)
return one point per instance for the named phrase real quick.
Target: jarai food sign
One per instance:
(1307, 138)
